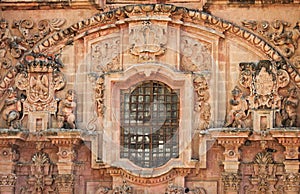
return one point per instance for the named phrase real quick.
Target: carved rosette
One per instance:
(195, 55)
(40, 77)
(202, 105)
(106, 55)
(148, 40)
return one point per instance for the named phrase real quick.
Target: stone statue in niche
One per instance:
(289, 108)
(12, 108)
(239, 109)
(66, 113)
(202, 106)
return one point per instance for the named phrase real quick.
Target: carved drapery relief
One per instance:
(201, 103)
(280, 33)
(195, 55)
(106, 55)
(41, 177)
(148, 40)
(263, 178)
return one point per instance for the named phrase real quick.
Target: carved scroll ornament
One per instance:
(280, 33)
(202, 105)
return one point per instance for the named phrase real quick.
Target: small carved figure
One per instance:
(289, 108)
(238, 112)
(123, 189)
(66, 116)
(12, 108)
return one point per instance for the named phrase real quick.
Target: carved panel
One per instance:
(41, 176)
(195, 55)
(148, 40)
(106, 55)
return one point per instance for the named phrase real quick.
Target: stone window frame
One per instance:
(111, 131)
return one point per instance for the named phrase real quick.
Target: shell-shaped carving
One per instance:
(40, 158)
(263, 158)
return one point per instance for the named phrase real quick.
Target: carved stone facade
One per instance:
(92, 92)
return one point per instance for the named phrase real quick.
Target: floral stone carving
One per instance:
(202, 105)
(148, 40)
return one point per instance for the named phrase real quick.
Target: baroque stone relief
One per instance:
(202, 105)
(195, 55)
(265, 175)
(280, 33)
(106, 55)
(41, 176)
(148, 40)
(262, 82)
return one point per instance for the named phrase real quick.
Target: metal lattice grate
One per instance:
(149, 124)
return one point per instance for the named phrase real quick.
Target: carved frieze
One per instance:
(148, 40)
(280, 33)
(106, 55)
(201, 103)
(195, 55)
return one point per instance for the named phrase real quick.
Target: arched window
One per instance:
(149, 124)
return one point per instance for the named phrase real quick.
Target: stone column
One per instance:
(291, 177)
(67, 146)
(8, 157)
(231, 142)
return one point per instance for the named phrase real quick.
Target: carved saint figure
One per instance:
(238, 112)
(289, 108)
(66, 116)
(12, 108)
